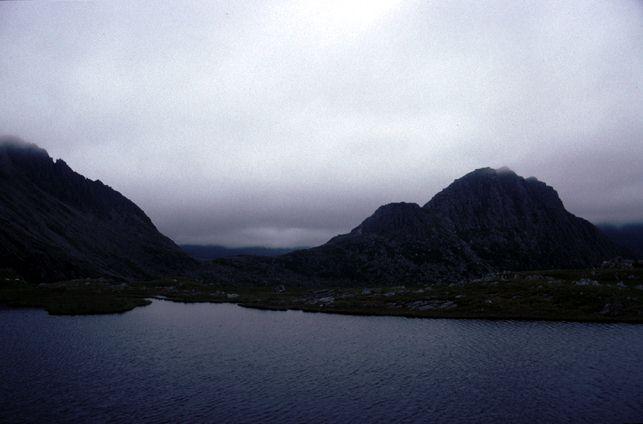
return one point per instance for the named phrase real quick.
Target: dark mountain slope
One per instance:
(399, 242)
(488, 220)
(515, 223)
(56, 224)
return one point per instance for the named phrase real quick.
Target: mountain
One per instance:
(399, 243)
(56, 224)
(489, 220)
(208, 252)
(517, 223)
(628, 236)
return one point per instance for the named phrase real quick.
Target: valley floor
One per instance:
(594, 295)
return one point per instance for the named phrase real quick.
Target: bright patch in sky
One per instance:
(348, 16)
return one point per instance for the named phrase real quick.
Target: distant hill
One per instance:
(209, 252)
(56, 224)
(629, 236)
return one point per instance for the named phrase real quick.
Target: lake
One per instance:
(224, 363)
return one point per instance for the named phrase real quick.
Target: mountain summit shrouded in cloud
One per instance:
(57, 224)
(282, 123)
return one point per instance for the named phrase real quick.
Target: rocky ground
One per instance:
(602, 295)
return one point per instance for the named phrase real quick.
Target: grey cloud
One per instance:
(285, 123)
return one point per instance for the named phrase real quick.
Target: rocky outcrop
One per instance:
(56, 224)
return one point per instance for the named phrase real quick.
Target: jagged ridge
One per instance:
(56, 224)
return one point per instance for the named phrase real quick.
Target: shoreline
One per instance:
(332, 311)
(408, 314)
(591, 295)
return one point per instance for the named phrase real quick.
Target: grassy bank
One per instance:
(614, 295)
(68, 298)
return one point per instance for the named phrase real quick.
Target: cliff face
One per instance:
(56, 224)
(488, 220)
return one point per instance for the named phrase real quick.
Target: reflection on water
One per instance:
(222, 363)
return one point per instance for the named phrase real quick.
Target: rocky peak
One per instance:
(491, 198)
(488, 220)
(58, 224)
(18, 156)
(21, 160)
(13, 143)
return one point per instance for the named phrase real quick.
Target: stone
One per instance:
(326, 300)
(587, 282)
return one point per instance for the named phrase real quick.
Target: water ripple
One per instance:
(173, 362)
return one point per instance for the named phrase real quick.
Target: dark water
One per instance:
(222, 363)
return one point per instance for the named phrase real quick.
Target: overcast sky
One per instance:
(285, 123)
